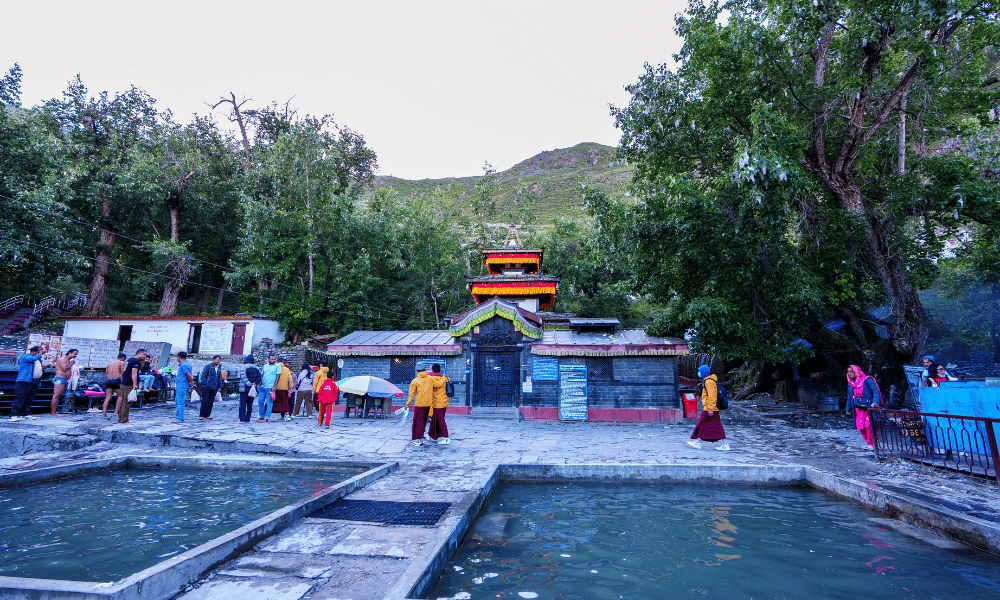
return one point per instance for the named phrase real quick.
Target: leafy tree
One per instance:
(769, 193)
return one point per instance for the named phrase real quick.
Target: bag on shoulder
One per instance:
(866, 403)
(449, 389)
(722, 399)
(37, 373)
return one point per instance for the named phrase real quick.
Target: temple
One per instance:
(510, 353)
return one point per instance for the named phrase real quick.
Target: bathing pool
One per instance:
(712, 541)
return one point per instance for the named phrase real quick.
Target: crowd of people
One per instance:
(276, 390)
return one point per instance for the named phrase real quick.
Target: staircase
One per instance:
(15, 320)
(506, 413)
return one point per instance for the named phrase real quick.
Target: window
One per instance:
(600, 370)
(402, 369)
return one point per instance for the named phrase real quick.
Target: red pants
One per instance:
(438, 427)
(419, 421)
(325, 411)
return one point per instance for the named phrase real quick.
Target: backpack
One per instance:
(449, 389)
(722, 401)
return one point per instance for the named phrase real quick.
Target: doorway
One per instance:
(194, 338)
(239, 337)
(124, 335)
(497, 378)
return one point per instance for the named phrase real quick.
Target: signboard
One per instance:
(50, 344)
(84, 345)
(526, 386)
(158, 352)
(216, 337)
(572, 392)
(545, 368)
(424, 363)
(102, 352)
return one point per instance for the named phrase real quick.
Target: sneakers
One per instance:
(14, 419)
(696, 444)
(327, 426)
(444, 441)
(33, 417)
(417, 443)
(724, 446)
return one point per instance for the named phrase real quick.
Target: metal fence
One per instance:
(960, 443)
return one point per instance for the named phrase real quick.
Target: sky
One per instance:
(436, 88)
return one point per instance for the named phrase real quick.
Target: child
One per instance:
(327, 396)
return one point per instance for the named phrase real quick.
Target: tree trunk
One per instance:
(97, 297)
(172, 287)
(222, 294)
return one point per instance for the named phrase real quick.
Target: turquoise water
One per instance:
(108, 525)
(634, 542)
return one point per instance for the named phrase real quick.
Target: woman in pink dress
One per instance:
(862, 394)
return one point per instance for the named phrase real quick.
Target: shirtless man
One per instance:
(64, 370)
(113, 380)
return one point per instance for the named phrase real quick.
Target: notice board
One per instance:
(424, 363)
(157, 352)
(50, 344)
(102, 352)
(216, 337)
(572, 392)
(84, 346)
(545, 368)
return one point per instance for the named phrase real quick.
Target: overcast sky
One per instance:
(436, 88)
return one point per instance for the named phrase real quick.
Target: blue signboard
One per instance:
(572, 392)
(424, 363)
(545, 368)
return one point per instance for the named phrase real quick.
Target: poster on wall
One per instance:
(216, 338)
(158, 352)
(50, 345)
(572, 392)
(83, 345)
(102, 352)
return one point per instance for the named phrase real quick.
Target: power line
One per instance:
(224, 268)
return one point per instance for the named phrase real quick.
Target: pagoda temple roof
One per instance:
(519, 277)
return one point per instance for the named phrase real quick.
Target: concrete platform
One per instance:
(344, 559)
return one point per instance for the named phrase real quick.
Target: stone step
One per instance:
(506, 413)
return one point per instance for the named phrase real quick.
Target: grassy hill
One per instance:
(550, 181)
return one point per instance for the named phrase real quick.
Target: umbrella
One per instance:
(376, 387)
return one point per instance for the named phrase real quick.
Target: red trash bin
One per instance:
(690, 405)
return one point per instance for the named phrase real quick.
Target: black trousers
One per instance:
(246, 407)
(207, 401)
(24, 391)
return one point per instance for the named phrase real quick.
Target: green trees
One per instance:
(778, 183)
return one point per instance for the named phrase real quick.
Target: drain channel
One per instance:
(389, 513)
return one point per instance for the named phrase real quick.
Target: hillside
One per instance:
(550, 180)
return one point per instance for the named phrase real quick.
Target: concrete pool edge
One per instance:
(168, 578)
(419, 579)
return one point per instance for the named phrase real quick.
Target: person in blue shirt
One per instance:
(26, 384)
(269, 376)
(183, 386)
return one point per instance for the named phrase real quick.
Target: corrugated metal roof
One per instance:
(626, 342)
(581, 321)
(395, 343)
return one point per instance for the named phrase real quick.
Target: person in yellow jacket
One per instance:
(439, 405)
(281, 388)
(709, 427)
(422, 396)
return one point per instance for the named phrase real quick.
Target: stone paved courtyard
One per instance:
(326, 559)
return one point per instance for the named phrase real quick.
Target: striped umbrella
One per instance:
(376, 387)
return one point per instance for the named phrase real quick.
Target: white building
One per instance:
(237, 335)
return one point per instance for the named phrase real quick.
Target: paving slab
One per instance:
(255, 589)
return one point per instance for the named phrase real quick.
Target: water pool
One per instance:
(592, 541)
(106, 525)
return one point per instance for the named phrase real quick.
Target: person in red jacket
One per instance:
(327, 395)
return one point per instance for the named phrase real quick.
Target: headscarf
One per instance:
(704, 371)
(856, 379)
